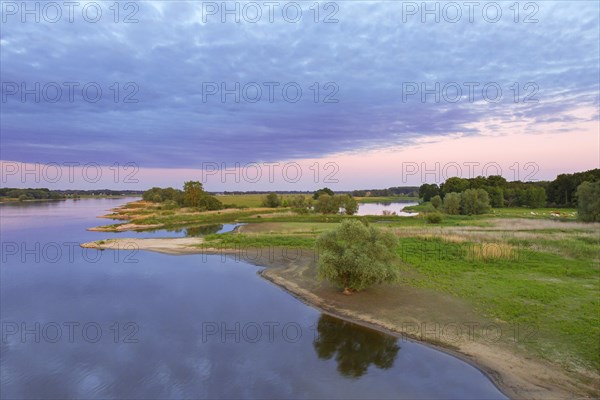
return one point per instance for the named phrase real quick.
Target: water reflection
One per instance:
(203, 230)
(386, 208)
(191, 231)
(355, 347)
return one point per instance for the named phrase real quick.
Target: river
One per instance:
(81, 323)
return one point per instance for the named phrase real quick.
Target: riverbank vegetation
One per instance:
(45, 194)
(355, 256)
(479, 195)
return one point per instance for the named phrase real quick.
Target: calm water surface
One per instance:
(103, 324)
(379, 208)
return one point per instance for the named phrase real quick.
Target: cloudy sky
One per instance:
(367, 90)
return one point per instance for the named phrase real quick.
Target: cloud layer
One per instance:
(370, 61)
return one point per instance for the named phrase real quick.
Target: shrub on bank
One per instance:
(355, 256)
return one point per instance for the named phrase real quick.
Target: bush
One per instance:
(452, 204)
(271, 200)
(169, 205)
(300, 204)
(348, 203)
(436, 201)
(319, 192)
(428, 191)
(355, 256)
(474, 201)
(327, 204)
(588, 201)
(496, 196)
(433, 218)
(208, 202)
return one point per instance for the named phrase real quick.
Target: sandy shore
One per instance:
(517, 375)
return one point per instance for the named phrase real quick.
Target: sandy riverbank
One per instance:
(403, 311)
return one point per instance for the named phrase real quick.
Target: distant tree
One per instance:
(436, 201)
(156, 198)
(427, 191)
(478, 182)
(355, 256)
(192, 192)
(496, 181)
(496, 194)
(347, 202)
(520, 194)
(171, 194)
(158, 195)
(535, 197)
(271, 200)
(452, 203)
(208, 202)
(561, 191)
(153, 195)
(193, 195)
(454, 184)
(327, 204)
(319, 192)
(588, 201)
(474, 201)
(300, 204)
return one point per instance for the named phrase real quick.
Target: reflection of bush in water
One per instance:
(203, 230)
(354, 347)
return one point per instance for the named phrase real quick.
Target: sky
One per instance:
(296, 95)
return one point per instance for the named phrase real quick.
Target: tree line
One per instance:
(500, 192)
(477, 195)
(30, 194)
(192, 195)
(561, 192)
(323, 201)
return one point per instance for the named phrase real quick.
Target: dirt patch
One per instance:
(124, 228)
(174, 246)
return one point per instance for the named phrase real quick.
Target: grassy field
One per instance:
(249, 200)
(255, 200)
(563, 214)
(538, 284)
